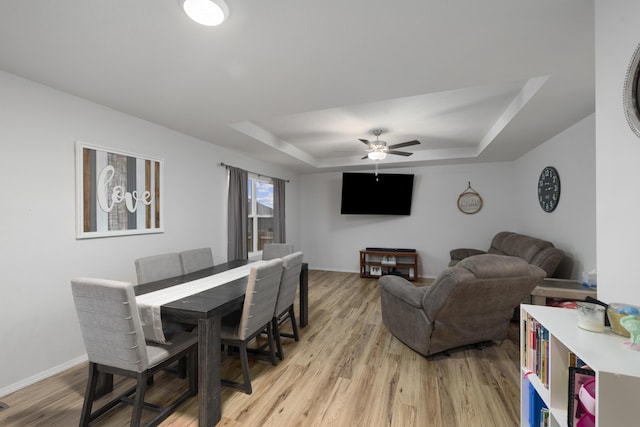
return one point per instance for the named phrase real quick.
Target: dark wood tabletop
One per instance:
(223, 299)
(227, 298)
(165, 283)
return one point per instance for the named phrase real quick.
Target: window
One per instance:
(260, 221)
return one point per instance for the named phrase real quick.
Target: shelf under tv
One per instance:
(379, 262)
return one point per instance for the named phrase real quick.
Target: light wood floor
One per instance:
(347, 370)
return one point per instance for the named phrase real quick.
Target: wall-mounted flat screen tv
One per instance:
(381, 194)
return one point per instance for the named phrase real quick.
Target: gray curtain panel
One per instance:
(279, 235)
(237, 214)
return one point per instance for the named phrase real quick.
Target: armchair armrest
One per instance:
(462, 253)
(402, 290)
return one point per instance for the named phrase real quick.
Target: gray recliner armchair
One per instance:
(467, 304)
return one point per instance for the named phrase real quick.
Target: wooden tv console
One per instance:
(376, 263)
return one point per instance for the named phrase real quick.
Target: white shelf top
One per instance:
(602, 351)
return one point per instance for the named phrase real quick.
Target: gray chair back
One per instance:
(196, 259)
(276, 250)
(158, 267)
(110, 323)
(260, 297)
(291, 266)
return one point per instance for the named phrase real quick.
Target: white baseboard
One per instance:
(42, 375)
(338, 270)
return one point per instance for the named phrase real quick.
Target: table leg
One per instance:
(304, 295)
(209, 359)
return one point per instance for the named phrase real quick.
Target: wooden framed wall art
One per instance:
(117, 193)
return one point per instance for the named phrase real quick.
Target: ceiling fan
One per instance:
(378, 150)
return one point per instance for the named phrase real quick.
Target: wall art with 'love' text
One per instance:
(118, 193)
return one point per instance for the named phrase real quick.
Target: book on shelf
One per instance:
(535, 407)
(576, 362)
(537, 350)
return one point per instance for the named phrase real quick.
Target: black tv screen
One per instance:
(371, 194)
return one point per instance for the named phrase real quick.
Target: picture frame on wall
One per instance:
(579, 402)
(117, 193)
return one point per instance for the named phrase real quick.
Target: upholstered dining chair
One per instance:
(196, 259)
(276, 250)
(158, 267)
(291, 266)
(115, 344)
(239, 328)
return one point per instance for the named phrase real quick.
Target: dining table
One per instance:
(206, 309)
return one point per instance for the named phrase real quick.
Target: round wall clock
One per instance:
(549, 189)
(631, 94)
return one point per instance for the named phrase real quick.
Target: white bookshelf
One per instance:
(617, 369)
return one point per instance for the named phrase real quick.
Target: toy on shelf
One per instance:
(632, 324)
(616, 311)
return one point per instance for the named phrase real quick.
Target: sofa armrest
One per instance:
(548, 259)
(462, 253)
(402, 290)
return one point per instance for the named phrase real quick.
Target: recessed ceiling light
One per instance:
(206, 12)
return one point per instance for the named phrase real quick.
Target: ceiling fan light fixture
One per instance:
(377, 155)
(206, 12)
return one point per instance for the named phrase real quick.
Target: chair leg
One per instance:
(294, 325)
(244, 361)
(272, 352)
(182, 367)
(138, 401)
(276, 333)
(89, 395)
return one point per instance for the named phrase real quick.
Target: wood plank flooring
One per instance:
(346, 370)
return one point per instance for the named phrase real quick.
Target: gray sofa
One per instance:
(535, 251)
(469, 303)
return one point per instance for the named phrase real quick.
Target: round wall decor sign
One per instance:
(469, 201)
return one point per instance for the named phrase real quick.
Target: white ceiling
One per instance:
(297, 82)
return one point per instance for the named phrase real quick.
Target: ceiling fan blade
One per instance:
(404, 144)
(399, 153)
(364, 141)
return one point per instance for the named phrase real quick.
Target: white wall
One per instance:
(617, 154)
(509, 190)
(331, 241)
(39, 331)
(572, 225)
